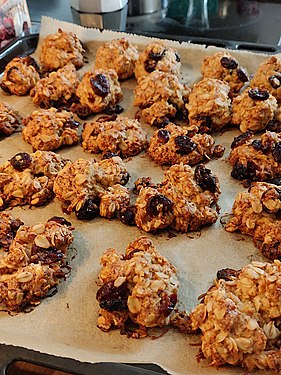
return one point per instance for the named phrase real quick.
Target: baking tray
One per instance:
(68, 356)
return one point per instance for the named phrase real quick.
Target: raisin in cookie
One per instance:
(91, 188)
(225, 67)
(97, 91)
(57, 89)
(140, 287)
(257, 214)
(20, 76)
(49, 129)
(209, 104)
(268, 77)
(121, 136)
(182, 201)
(239, 315)
(8, 229)
(258, 159)
(175, 144)
(28, 178)
(59, 49)
(253, 109)
(9, 120)
(157, 57)
(119, 55)
(160, 95)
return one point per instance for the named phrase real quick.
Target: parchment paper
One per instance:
(65, 325)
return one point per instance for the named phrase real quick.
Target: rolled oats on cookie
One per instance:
(9, 120)
(49, 129)
(60, 49)
(119, 55)
(20, 75)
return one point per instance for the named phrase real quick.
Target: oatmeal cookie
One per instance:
(20, 76)
(8, 229)
(239, 317)
(161, 96)
(28, 178)
(268, 77)
(258, 159)
(182, 201)
(59, 49)
(34, 264)
(225, 67)
(119, 55)
(80, 187)
(121, 136)
(209, 104)
(9, 120)
(49, 129)
(99, 90)
(157, 57)
(57, 89)
(175, 144)
(253, 109)
(257, 214)
(140, 287)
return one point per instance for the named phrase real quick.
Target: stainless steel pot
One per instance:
(140, 7)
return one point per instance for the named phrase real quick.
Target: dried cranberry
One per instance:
(117, 109)
(274, 126)
(205, 179)
(153, 58)
(218, 151)
(60, 220)
(184, 144)
(242, 75)
(168, 304)
(161, 122)
(158, 203)
(163, 135)
(5, 88)
(258, 94)
(31, 61)
(276, 152)
(72, 124)
(89, 210)
(227, 274)
(241, 139)
(204, 120)
(127, 215)
(106, 118)
(10, 71)
(100, 85)
(143, 182)
(257, 144)
(229, 63)
(108, 155)
(21, 161)
(275, 81)
(112, 298)
(46, 256)
(244, 172)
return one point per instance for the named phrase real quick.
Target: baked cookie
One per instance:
(268, 77)
(9, 120)
(119, 55)
(161, 96)
(157, 56)
(239, 315)
(98, 90)
(49, 129)
(140, 287)
(28, 178)
(258, 159)
(257, 214)
(121, 136)
(225, 67)
(182, 201)
(60, 49)
(20, 75)
(81, 185)
(253, 109)
(57, 89)
(209, 104)
(8, 229)
(176, 144)
(35, 263)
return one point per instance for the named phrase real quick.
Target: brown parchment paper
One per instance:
(65, 325)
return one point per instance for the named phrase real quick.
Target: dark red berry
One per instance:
(72, 124)
(108, 155)
(274, 126)
(205, 179)
(275, 81)
(242, 75)
(227, 274)
(60, 220)
(21, 161)
(89, 210)
(241, 139)
(276, 152)
(184, 144)
(163, 135)
(100, 85)
(229, 63)
(168, 304)
(117, 109)
(244, 172)
(113, 298)
(127, 215)
(158, 203)
(257, 94)
(257, 144)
